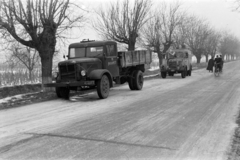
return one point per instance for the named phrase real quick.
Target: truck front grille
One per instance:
(172, 64)
(67, 72)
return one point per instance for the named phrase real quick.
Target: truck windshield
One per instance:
(180, 55)
(86, 52)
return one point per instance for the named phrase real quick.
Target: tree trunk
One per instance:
(30, 74)
(198, 59)
(160, 59)
(131, 45)
(206, 57)
(46, 61)
(166, 47)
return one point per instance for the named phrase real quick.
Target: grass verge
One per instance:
(20, 89)
(17, 96)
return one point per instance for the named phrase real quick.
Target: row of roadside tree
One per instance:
(31, 29)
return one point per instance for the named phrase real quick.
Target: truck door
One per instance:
(111, 60)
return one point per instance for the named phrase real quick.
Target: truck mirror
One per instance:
(65, 56)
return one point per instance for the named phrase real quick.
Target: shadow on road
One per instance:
(100, 140)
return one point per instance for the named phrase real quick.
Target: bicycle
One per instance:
(217, 70)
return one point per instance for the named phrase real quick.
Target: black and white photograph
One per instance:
(119, 80)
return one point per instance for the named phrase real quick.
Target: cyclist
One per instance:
(218, 63)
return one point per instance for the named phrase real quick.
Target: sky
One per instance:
(219, 13)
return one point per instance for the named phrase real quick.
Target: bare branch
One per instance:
(122, 22)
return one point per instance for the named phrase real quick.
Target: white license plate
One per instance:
(89, 83)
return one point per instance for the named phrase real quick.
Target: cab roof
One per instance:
(183, 50)
(90, 44)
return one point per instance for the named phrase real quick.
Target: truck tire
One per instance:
(189, 72)
(138, 80)
(103, 86)
(64, 92)
(58, 93)
(183, 74)
(130, 81)
(163, 74)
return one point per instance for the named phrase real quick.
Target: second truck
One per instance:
(179, 61)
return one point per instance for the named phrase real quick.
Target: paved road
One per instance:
(172, 118)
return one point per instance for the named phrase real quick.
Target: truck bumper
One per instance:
(174, 70)
(70, 84)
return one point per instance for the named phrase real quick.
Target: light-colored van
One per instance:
(178, 61)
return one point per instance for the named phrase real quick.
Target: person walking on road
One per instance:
(210, 65)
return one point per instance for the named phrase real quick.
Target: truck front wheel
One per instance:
(103, 86)
(138, 80)
(183, 74)
(189, 72)
(64, 92)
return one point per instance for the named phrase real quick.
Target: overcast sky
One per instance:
(219, 13)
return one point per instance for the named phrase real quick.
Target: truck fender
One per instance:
(98, 73)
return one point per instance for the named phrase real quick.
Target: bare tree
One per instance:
(27, 57)
(229, 46)
(152, 37)
(197, 32)
(237, 5)
(122, 21)
(37, 24)
(211, 44)
(11, 63)
(160, 30)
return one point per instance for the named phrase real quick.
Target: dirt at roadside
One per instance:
(24, 99)
(234, 153)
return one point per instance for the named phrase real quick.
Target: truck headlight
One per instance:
(83, 73)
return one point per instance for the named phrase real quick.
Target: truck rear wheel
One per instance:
(189, 72)
(138, 80)
(64, 92)
(130, 80)
(163, 74)
(103, 86)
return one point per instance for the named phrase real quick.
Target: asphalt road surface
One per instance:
(172, 118)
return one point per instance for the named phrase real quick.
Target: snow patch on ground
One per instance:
(14, 98)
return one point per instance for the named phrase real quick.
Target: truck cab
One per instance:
(178, 61)
(92, 55)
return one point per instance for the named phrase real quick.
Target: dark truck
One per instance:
(98, 64)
